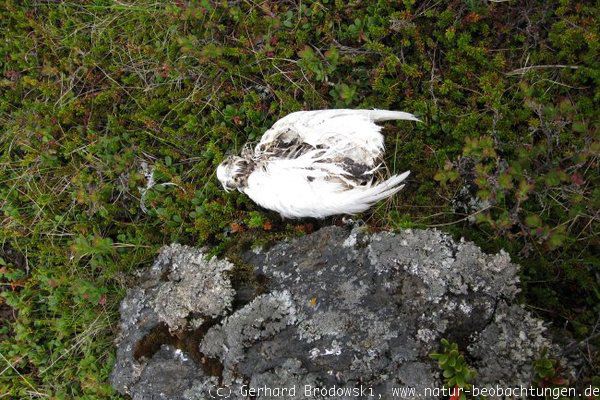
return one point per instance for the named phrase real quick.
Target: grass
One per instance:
(114, 115)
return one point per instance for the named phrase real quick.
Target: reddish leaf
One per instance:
(559, 381)
(472, 17)
(455, 394)
(17, 284)
(305, 228)
(235, 227)
(577, 179)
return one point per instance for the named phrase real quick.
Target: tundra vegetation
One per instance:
(114, 115)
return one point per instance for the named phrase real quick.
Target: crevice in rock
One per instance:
(247, 282)
(493, 315)
(247, 285)
(164, 276)
(151, 343)
(462, 337)
(187, 341)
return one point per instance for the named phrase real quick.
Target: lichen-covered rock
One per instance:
(181, 284)
(193, 285)
(166, 377)
(514, 335)
(264, 317)
(354, 313)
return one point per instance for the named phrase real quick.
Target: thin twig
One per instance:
(22, 377)
(460, 220)
(521, 71)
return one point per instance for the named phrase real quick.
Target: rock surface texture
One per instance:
(336, 309)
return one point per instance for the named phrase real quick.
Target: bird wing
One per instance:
(353, 133)
(303, 187)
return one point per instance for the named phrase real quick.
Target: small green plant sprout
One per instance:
(456, 371)
(548, 371)
(255, 220)
(448, 174)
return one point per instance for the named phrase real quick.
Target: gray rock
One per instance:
(180, 284)
(193, 285)
(336, 313)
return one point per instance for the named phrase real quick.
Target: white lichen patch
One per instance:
(334, 350)
(323, 324)
(195, 285)
(426, 335)
(351, 240)
(465, 308)
(264, 317)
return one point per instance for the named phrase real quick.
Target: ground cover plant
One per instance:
(114, 115)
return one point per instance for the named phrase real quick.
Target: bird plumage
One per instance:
(316, 164)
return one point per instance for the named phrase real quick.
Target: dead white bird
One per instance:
(316, 164)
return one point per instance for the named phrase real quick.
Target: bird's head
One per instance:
(233, 172)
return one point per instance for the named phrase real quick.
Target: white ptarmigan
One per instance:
(316, 164)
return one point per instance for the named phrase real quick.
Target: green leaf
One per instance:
(533, 221)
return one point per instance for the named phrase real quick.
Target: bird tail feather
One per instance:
(381, 191)
(385, 115)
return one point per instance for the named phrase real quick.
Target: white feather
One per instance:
(287, 191)
(316, 183)
(351, 132)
